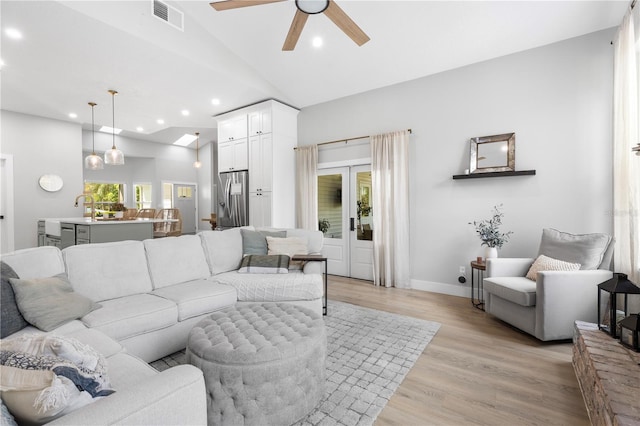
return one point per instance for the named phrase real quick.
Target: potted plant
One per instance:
(324, 225)
(118, 209)
(489, 232)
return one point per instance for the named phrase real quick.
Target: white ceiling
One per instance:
(72, 52)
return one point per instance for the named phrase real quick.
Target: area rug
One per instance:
(369, 352)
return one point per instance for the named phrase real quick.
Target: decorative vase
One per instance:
(490, 252)
(119, 215)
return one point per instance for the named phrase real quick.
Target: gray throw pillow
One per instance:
(586, 249)
(48, 303)
(11, 319)
(255, 242)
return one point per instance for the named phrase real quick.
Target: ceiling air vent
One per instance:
(169, 14)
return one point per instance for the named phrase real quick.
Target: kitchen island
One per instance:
(65, 232)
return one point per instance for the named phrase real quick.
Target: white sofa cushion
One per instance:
(108, 270)
(273, 287)
(176, 260)
(223, 249)
(132, 315)
(520, 290)
(37, 262)
(198, 297)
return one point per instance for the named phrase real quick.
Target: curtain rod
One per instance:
(347, 140)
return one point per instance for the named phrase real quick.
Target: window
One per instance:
(105, 195)
(167, 195)
(142, 193)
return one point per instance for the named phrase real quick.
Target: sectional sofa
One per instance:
(150, 294)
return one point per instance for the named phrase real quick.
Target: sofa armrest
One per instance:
(313, 266)
(562, 297)
(508, 267)
(174, 396)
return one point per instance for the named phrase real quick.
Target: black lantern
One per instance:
(619, 284)
(630, 332)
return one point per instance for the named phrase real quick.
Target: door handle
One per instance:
(352, 223)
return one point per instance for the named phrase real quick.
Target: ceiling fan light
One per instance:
(312, 7)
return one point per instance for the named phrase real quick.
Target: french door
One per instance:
(345, 216)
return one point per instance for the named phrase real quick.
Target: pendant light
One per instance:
(113, 156)
(93, 161)
(197, 164)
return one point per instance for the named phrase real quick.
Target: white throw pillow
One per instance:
(289, 246)
(544, 263)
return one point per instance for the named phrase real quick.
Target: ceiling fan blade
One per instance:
(295, 30)
(235, 4)
(346, 24)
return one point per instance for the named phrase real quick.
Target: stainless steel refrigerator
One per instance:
(233, 199)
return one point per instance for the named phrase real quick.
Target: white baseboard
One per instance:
(451, 289)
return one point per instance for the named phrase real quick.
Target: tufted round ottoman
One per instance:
(263, 363)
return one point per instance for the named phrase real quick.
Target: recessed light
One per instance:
(215, 101)
(160, 121)
(140, 129)
(185, 140)
(13, 33)
(185, 112)
(107, 129)
(73, 115)
(317, 42)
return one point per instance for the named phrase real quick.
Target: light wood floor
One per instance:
(477, 370)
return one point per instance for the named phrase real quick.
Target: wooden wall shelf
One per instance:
(495, 174)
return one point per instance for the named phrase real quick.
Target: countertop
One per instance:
(53, 225)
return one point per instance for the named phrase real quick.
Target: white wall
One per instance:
(40, 146)
(557, 99)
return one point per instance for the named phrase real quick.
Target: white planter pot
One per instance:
(119, 215)
(490, 252)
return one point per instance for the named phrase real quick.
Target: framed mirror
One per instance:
(495, 153)
(50, 183)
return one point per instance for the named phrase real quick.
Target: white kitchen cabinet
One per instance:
(260, 209)
(233, 155)
(232, 128)
(260, 121)
(270, 135)
(261, 162)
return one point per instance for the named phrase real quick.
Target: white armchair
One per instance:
(548, 307)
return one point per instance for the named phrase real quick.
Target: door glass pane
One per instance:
(363, 201)
(330, 205)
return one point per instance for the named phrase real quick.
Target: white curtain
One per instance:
(307, 187)
(390, 206)
(626, 166)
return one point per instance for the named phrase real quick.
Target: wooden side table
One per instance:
(477, 272)
(304, 258)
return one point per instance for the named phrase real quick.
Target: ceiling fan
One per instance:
(304, 9)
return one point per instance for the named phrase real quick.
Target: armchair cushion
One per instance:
(589, 250)
(544, 263)
(519, 290)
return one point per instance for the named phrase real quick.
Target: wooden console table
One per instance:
(608, 375)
